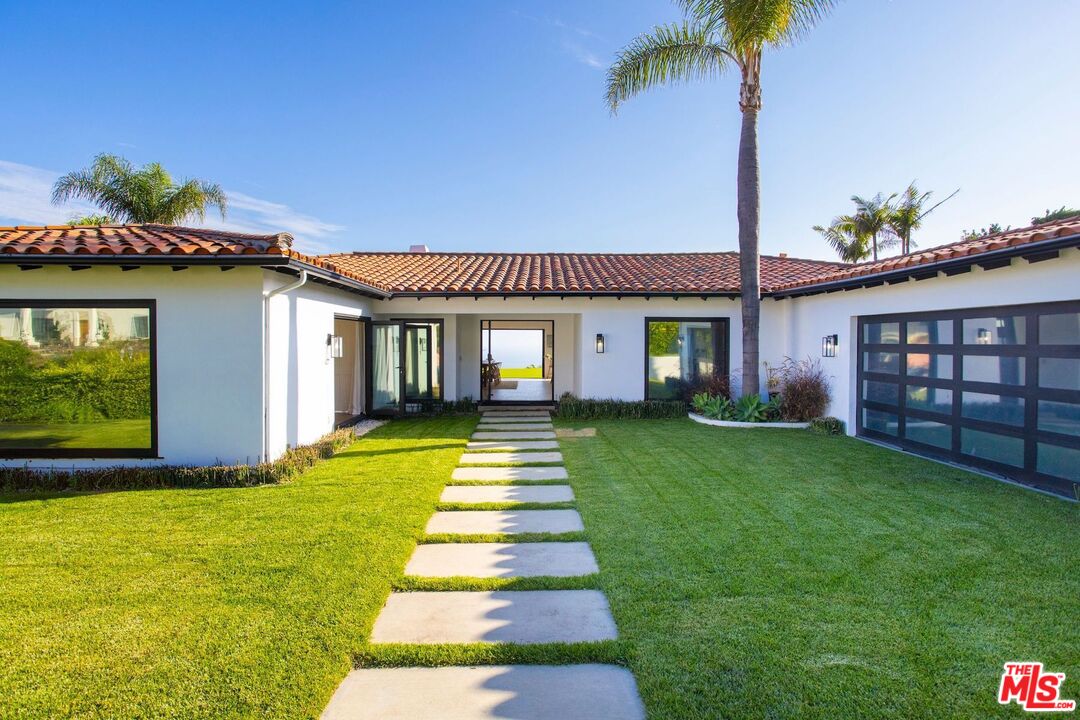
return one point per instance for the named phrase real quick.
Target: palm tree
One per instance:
(872, 216)
(715, 36)
(908, 214)
(146, 195)
(846, 237)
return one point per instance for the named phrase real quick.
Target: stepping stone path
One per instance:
(518, 617)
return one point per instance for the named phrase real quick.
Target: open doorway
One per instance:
(517, 361)
(350, 391)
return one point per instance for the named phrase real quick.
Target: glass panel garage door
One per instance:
(995, 388)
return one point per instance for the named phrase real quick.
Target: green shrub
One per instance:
(292, 463)
(574, 408)
(827, 426)
(464, 406)
(751, 409)
(84, 385)
(803, 389)
(717, 407)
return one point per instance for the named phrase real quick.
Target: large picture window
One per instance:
(995, 388)
(77, 379)
(680, 352)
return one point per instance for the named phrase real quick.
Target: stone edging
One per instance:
(732, 424)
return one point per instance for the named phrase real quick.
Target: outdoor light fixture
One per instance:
(600, 343)
(336, 345)
(829, 343)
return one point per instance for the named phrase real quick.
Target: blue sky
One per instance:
(479, 124)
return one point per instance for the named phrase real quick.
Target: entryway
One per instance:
(350, 386)
(517, 361)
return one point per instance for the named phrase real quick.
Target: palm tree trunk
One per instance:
(749, 202)
(875, 246)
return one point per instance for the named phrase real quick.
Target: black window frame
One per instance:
(721, 345)
(94, 453)
(1028, 390)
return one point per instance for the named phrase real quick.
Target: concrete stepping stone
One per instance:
(502, 560)
(514, 408)
(521, 445)
(522, 617)
(481, 522)
(494, 692)
(509, 457)
(514, 427)
(503, 435)
(498, 474)
(514, 417)
(507, 493)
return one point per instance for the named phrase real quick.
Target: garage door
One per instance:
(995, 388)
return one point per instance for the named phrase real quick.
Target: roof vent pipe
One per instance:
(418, 248)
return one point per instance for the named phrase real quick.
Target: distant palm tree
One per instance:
(146, 195)
(846, 237)
(714, 36)
(907, 215)
(872, 217)
(90, 220)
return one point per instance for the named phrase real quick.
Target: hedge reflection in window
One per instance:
(76, 381)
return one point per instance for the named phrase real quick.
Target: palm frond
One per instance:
(755, 23)
(671, 54)
(844, 237)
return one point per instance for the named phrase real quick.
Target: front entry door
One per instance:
(387, 370)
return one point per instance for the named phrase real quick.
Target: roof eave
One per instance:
(874, 279)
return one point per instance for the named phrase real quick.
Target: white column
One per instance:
(92, 329)
(26, 322)
(76, 334)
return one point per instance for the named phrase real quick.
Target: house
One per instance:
(216, 347)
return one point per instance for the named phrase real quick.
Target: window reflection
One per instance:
(75, 378)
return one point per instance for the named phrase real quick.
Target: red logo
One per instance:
(1033, 689)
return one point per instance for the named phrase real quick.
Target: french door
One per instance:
(406, 364)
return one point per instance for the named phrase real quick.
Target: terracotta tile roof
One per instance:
(136, 240)
(964, 248)
(570, 273)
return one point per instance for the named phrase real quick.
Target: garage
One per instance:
(993, 388)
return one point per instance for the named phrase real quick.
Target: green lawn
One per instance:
(211, 603)
(531, 373)
(104, 434)
(762, 573)
(780, 574)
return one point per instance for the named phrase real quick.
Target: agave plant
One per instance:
(750, 408)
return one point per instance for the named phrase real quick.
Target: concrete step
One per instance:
(496, 474)
(519, 617)
(514, 427)
(507, 493)
(494, 692)
(474, 522)
(515, 417)
(536, 407)
(502, 560)
(501, 435)
(509, 457)
(509, 445)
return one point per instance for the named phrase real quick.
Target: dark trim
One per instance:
(721, 344)
(562, 294)
(94, 453)
(1025, 390)
(489, 401)
(986, 260)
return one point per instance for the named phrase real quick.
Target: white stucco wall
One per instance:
(301, 373)
(209, 340)
(808, 319)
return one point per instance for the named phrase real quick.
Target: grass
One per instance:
(529, 373)
(783, 574)
(104, 434)
(222, 603)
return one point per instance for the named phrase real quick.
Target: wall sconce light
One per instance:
(336, 346)
(829, 343)
(983, 337)
(600, 343)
